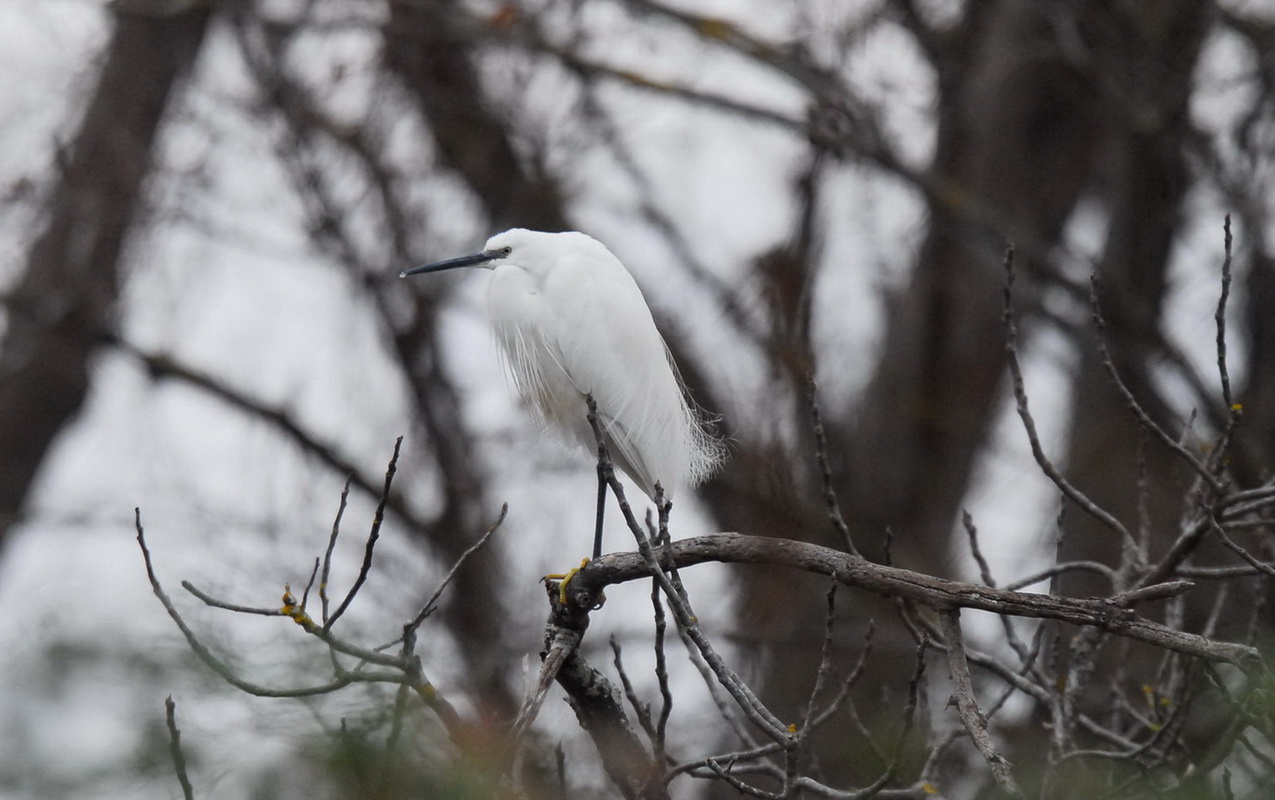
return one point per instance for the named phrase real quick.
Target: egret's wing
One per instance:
(607, 343)
(553, 370)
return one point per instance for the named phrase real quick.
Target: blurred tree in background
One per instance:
(891, 148)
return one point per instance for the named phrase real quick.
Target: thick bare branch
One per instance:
(926, 590)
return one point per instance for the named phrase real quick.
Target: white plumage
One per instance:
(571, 321)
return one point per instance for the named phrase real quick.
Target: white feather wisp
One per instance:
(570, 321)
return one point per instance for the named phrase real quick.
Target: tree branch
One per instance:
(967, 705)
(936, 593)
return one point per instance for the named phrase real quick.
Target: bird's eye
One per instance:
(506, 250)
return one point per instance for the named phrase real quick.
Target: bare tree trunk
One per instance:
(65, 300)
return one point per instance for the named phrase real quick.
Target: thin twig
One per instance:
(309, 584)
(1062, 569)
(730, 714)
(1133, 560)
(1131, 402)
(432, 603)
(1026, 666)
(373, 535)
(909, 711)
(825, 658)
(1236, 548)
(1029, 424)
(1178, 552)
(214, 602)
(1220, 318)
(843, 693)
(175, 748)
(985, 572)
(327, 554)
(661, 673)
(1156, 591)
(642, 710)
(227, 674)
(728, 774)
(829, 495)
(1216, 573)
(734, 758)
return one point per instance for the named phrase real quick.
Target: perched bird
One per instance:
(571, 321)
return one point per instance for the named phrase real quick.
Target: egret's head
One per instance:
(528, 249)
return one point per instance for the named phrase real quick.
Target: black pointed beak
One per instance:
(452, 263)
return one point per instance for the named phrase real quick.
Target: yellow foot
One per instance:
(563, 580)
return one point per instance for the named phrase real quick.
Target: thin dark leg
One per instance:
(602, 504)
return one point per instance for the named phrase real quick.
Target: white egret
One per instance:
(571, 321)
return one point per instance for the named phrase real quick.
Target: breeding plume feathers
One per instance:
(571, 321)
